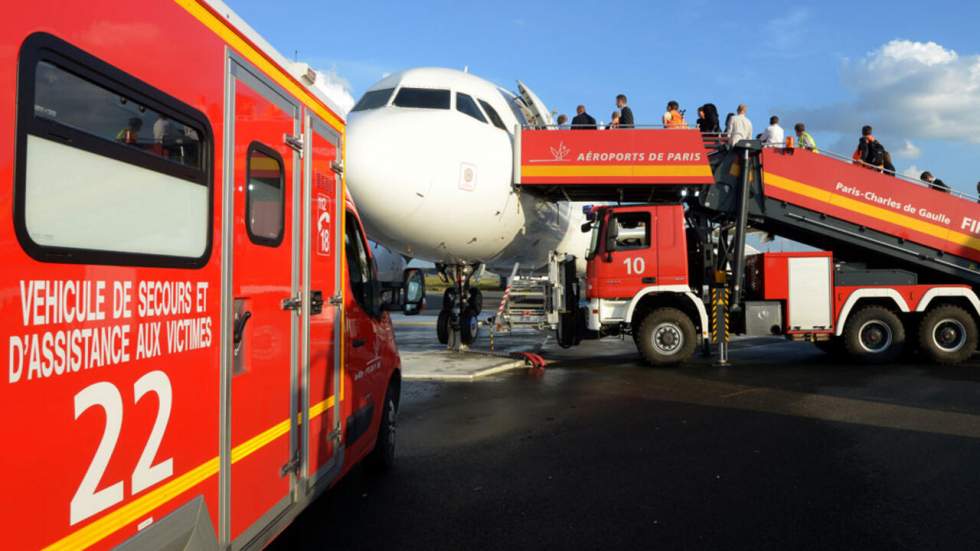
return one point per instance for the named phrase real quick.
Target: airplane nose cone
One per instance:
(386, 191)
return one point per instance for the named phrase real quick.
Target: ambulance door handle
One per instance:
(240, 327)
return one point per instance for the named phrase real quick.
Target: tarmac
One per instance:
(786, 449)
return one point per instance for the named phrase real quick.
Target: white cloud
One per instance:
(912, 172)
(908, 151)
(907, 91)
(337, 88)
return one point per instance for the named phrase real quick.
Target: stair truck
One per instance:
(894, 265)
(196, 342)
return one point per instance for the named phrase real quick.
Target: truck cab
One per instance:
(637, 281)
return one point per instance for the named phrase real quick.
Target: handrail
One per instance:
(897, 175)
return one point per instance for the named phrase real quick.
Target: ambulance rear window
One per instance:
(67, 99)
(110, 170)
(423, 98)
(373, 99)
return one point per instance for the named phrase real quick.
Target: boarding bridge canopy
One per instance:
(630, 165)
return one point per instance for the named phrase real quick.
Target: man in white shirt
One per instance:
(741, 127)
(773, 136)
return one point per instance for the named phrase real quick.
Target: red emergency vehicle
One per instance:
(667, 264)
(196, 342)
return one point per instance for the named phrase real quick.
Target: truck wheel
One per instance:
(469, 327)
(476, 301)
(874, 334)
(382, 457)
(666, 337)
(948, 335)
(442, 326)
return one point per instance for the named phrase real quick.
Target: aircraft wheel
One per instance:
(442, 326)
(948, 335)
(469, 327)
(476, 301)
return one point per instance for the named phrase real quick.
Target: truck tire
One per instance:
(442, 326)
(948, 335)
(666, 336)
(469, 327)
(874, 334)
(476, 300)
(382, 457)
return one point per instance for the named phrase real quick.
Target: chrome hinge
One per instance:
(293, 303)
(337, 166)
(295, 142)
(336, 300)
(292, 466)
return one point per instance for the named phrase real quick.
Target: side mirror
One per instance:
(612, 232)
(414, 291)
(587, 227)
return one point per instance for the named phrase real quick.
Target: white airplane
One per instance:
(430, 163)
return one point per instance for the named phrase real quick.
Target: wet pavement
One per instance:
(788, 449)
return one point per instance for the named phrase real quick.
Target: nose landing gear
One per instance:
(458, 325)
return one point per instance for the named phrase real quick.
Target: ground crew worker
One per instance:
(674, 117)
(803, 138)
(130, 135)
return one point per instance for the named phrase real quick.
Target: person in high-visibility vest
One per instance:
(674, 117)
(130, 134)
(804, 139)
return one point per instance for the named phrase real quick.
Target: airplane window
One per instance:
(423, 98)
(492, 113)
(373, 99)
(466, 105)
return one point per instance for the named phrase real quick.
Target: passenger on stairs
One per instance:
(674, 117)
(583, 120)
(708, 119)
(625, 113)
(934, 183)
(773, 135)
(741, 127)
(870, 151)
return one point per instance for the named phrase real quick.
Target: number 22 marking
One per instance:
(88, 501)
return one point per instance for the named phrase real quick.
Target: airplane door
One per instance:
(263, 385)
(540, 116)
(324, 203)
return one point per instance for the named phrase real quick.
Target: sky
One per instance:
(910, 69)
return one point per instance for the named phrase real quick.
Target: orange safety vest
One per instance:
(676, 120)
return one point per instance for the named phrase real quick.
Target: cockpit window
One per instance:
(492, 113)
(423, 98)
(373, 99)
(466, 105)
